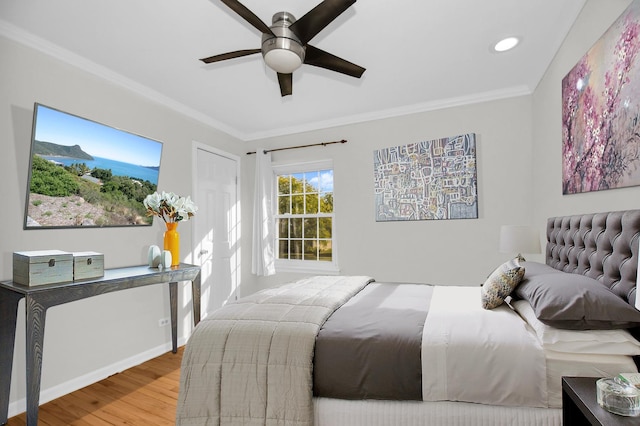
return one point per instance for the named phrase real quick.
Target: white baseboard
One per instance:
(54, 392)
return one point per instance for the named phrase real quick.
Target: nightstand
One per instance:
(580, 407)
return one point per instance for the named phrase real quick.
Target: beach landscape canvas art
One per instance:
(86, 174)
(427, 180)
(601, 111)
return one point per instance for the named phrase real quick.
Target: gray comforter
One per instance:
(250, 362)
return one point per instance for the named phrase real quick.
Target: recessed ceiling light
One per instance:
(506, 44)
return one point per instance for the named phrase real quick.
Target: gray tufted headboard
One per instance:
(603, 246)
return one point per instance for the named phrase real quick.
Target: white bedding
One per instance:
(452, 337)
(476, 355)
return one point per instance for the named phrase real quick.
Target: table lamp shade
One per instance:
(519, 239)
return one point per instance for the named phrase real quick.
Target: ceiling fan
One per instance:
(285, 44)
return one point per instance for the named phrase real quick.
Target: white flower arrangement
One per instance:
(169, 206)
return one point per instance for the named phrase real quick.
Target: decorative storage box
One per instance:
(87, 264)
(618, 398)
(42, 267)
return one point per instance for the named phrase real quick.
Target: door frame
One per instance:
(195, 146)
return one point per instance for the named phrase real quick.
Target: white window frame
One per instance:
(306, 266)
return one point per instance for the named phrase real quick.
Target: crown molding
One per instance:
(495, 95)
(23, 37)
(28, 39)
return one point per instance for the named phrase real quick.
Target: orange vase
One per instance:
(172, 242)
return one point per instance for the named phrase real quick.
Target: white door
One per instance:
(216, 233)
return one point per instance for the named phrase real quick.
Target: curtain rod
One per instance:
(299, 146)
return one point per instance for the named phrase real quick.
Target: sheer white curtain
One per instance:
(264, 240)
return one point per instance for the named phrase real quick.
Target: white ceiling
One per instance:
(419, 55)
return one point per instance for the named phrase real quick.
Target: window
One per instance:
(305, 218)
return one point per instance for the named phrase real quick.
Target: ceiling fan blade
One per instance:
(286, 84)
(248, 16)
(319, 17)
(322, 59)
(229, 55)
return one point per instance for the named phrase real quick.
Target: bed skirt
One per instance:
(339, 412)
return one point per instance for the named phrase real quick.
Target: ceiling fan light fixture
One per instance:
(282, 60)
(282, 51)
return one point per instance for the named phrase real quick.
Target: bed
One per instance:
(353, 351)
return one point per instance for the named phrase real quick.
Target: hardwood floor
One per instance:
(143, 395)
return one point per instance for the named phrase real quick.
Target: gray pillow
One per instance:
(576, 302)
(537, 268)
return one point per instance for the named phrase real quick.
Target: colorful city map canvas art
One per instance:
(428, 180)
(601, 112)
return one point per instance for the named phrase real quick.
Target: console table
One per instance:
(39, 298)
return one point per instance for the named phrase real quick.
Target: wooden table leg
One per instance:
(8, 320)
(35, 316)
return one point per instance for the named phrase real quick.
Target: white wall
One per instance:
(444, 251)
(109, 331)
(594, 20)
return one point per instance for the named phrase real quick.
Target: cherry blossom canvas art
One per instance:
(601, 111)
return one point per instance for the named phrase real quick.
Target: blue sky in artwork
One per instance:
(96, 139)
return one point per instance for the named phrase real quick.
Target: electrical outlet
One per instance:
(163, 322)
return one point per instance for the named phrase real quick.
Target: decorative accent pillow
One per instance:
(600, 342)
(576, 302)
(501, 283)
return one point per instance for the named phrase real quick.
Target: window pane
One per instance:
(326, 202)
(283, 228)
(311, 228)
(296, 250)
(297, 182)
(296, 228)
(311, 181)
(284, 183)
(325, 250)
(284, 204)
(283, 249)
(297, 204)
(310, 250)
(326, 181)
(312, 204)
(325, 227)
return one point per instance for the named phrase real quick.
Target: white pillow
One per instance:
(604, 342)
